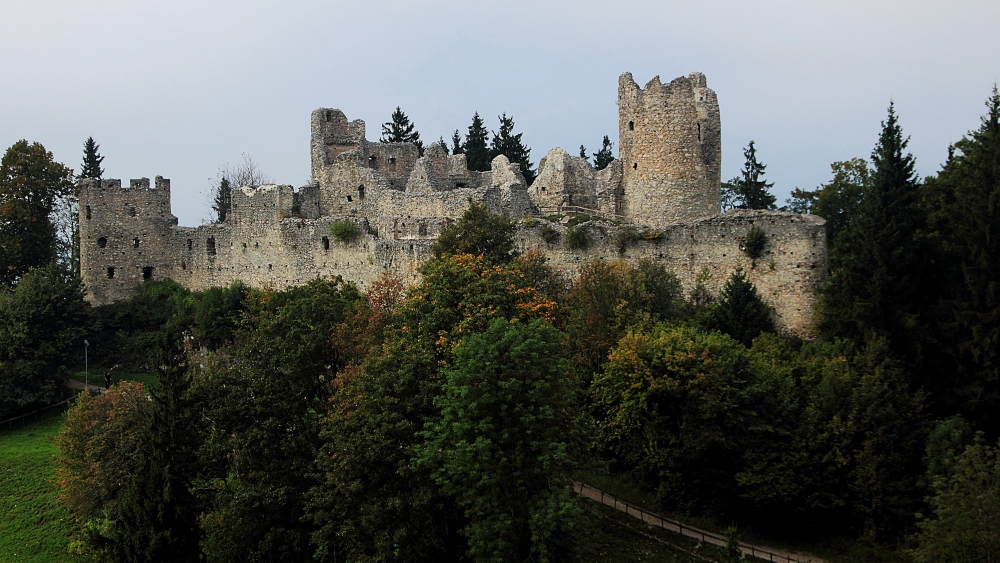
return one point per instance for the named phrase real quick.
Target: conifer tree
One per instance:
(505, 142)
(91, 167)
(741, 313)
(477, 150)
(583, 153)
(604, 157)
(456, 143)
(223, 199)
(400, 130)
(752, 191)
(874, 265)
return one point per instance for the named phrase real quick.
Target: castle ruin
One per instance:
(658, 200)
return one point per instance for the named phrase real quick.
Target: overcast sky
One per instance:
(177, 88)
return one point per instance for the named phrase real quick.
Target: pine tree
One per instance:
(874, 265)
(752, 191)
(583, 153)
(456, 143)
(400, 130)
(505, 142)
(91, 167)
(604, 157)
(477, 150)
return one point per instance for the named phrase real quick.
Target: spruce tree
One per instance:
(604, 157)
(456, 143)
(874, 265)
(477, 150)
(963, 207)
(752, 191)
(741, 313)
(91, 167)
(400, 130)
(583, 153)
(505, 142)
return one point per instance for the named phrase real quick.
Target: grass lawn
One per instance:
(33, 526)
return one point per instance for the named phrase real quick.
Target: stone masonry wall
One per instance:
(670, 148)
(659, 201)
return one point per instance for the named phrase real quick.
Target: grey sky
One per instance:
(178, 87)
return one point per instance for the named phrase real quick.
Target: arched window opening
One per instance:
(361, 192)
(135, 242)
(326, 243)
(631, 126)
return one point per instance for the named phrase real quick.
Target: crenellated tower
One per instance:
(670, 147)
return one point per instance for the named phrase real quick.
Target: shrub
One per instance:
(344, 231)
(479, 232)
(577, 238)
(550, 234)
(753, 244)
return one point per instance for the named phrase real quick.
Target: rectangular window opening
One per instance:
(111, 273)
(147, 273)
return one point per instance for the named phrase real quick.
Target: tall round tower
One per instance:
(670, 146)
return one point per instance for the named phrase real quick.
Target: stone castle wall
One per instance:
(659, 201)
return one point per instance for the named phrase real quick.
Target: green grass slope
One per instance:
(33, 526)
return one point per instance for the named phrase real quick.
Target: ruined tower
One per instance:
(670, 146)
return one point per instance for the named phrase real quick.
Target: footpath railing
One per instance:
(9, 423)
(653, 519)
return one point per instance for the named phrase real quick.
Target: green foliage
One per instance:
(372, 502)
(876, 276)
(259, 431)
(550, 234)
(42, 322)
(610, 298)
(30, 183)
(605, 156)
(506, 441)
(577, 238)
(675, 406)
(505, 142)
(218, 312)
(583, 153)
(754, 242)
(128, 333)
(222, 200)
(91, 167)
(478, 232)
(345, 231)
(837, 201)
(477, 150)
(963, 204)
(751, 191)
(456, 143)
(740, 312)
(100, 447)
(966, 507)
(399, 130)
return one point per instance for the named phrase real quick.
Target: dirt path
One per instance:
(74, 384)
(651, 519)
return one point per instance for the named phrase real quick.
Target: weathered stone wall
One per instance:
(670, 147)
(792, 268)
(662, 195)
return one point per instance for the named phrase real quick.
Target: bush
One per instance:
(344, 231)
(549, 234)
(753, 244)
(479, 232)
(577, 238)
